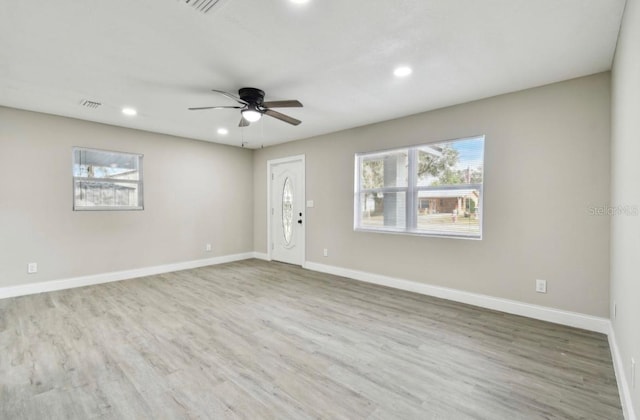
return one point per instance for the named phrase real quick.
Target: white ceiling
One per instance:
(335, 56)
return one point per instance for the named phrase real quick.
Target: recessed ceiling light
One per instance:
(299, 1)
(129, 111)
(402, 71)
(223, 131)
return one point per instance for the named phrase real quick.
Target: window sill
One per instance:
(98, 208)
(419, 233)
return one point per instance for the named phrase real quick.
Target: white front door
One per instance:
(287, 221)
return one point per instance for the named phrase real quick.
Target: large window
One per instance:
(105, 180)
(431, 189)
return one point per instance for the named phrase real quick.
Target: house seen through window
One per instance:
(432, 189)
(104, 180)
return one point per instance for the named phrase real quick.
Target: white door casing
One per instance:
(286, 199)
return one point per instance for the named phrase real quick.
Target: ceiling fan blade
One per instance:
(230, 96)
(283, 104)
(214, 107)
(243, 122)
(282, 117)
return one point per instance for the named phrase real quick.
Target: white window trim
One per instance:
(139, 182)
(411, 191)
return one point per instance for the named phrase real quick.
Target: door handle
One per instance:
(300, 221)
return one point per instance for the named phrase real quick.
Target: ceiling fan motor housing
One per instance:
(251, 95)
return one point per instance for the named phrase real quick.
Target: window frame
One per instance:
(107, 181)
(411, 193)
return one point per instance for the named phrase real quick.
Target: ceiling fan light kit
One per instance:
(253, 106)
(251, 115)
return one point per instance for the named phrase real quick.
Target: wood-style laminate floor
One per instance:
(260, 340)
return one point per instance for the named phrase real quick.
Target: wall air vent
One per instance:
(204, 6)
(90, 104)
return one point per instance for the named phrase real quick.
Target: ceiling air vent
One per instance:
(203, 6)
(90, 104)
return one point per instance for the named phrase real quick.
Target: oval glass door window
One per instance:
(287, 210)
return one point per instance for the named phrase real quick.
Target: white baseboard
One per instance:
(572, 319)
(53, 285)
(261, 256)
(621, 378)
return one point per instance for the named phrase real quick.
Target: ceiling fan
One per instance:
(253, 106)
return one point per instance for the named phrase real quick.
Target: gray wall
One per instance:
(625, 190)
(546, 163)
(195, 193)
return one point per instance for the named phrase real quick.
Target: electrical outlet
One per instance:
(541, 286)
(32, 268)
(207, 248)
(633, 373)
(326, 252)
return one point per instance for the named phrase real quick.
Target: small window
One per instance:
(104, 180)
(432, 189)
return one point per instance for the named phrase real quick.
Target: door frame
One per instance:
(270, 164)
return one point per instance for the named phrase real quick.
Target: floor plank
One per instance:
(254, 339)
